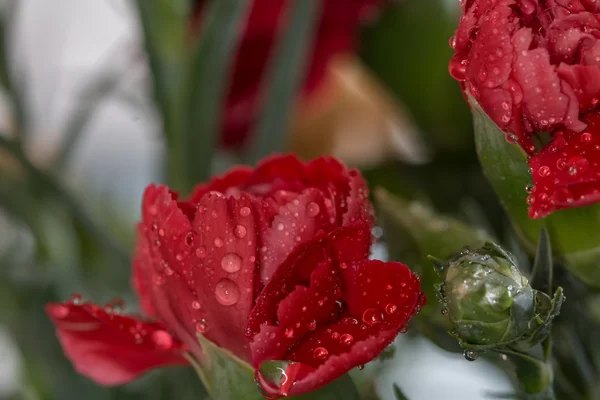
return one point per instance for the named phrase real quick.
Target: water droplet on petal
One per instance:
(200, 252)
(471, 355)
(190, 238)
(275, 378)
(347, 339)
(544, 171)
(76, 299)
(361, 367)
(372, 316)
(245, 211)
(218, 242)
(280, 226)
(231, 262)
(227, 292)
(390, 308)
(196, 305)
(162, 340)
(312, 325)
(586, 137)
(529, 187)
(320, 353)
(289, 333)
(240, 231)
(201, 327)
(312, 209)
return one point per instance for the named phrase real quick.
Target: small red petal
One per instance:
(566, 172)
(112, 349)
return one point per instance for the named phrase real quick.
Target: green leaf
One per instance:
(543, 267)
(165, 29)
(534, 376)
(413, 231)
(225, 376)
(574, 232)
(287, 70)
(398, 393)
(408, 49)
(205, 85)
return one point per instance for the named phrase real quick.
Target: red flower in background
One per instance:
(534, 66)
(336, 33)
(269, 263)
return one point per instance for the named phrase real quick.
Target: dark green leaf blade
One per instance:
(165, 25)
(287, 70)
(398, 393)
(543, 267)
(205, 87)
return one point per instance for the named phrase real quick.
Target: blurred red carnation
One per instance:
(337, 31)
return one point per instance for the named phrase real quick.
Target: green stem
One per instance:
(50, 185)
(535, 376)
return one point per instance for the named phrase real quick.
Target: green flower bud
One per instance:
(487, 299)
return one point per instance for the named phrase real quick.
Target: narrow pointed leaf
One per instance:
(286, 72)
(542, 275)
(164, 25)
(398, 393)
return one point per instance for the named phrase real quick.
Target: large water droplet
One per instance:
(162, 340)
(240, 231)
(312, 209)
(320, 353)
(231, 262)
(372, 316)
(275, 378)
(471, 355)
(245, 211)
(347, 339)
(227, 292)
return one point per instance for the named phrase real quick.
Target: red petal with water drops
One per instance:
(492, 53)
(109, 348)
(296, 222)
(224, 280)
(165, 250)
(585, 81)
(566, 172)
(379, 299)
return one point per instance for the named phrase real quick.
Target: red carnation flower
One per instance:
(270, 264)
(534, 66)
(336, 33)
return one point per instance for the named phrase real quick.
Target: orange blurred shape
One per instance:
(353, 117)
